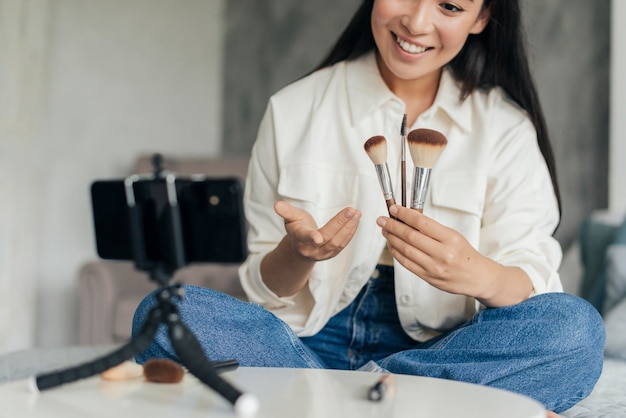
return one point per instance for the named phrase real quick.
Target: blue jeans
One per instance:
(549, 347)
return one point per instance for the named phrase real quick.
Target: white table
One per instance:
(299, 393)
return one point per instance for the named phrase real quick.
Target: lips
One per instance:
(410, 47)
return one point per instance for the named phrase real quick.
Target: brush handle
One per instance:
(403, 179)
(421, 181)
(385, 184)
(390, 203)
(385, 180)
(403, 159)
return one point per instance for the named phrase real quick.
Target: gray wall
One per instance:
(569, 42)
(271, 43)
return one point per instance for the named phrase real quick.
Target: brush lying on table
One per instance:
(158, 370)
(425, 147)
(155, 371)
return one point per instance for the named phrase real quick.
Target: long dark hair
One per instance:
(495, 57)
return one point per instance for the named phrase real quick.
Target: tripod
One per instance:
(185, 345)
(165, 311)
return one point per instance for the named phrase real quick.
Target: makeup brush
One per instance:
(403, 158)
(376, 149)
(425, 146)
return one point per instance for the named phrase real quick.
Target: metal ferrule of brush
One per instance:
(385, 180)
(421, 180)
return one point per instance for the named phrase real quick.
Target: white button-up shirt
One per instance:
(490, 183)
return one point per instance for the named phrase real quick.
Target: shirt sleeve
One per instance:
(521, 211)
(266, 228)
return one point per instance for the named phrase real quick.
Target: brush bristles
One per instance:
(425, 146)
(376, 148)
(403, 126)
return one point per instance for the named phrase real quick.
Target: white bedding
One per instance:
(608, 399)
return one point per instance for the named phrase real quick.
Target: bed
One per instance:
(595, 269)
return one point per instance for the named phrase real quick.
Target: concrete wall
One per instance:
(269, 44)
(570, 52)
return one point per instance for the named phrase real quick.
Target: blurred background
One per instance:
(86, 86)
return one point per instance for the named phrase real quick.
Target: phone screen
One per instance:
(210, 213)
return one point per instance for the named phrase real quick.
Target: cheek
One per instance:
(387, 12)
(381, 9)
(380, 17)
(380, 30)
(453, 38)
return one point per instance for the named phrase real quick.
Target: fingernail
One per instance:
(393, 210)
(349, 214)
(381, 221)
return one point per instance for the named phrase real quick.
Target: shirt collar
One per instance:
(367, 92)
(449, 100)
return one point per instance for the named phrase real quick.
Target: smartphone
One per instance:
(206, 222)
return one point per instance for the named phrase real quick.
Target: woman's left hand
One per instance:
(438, 254)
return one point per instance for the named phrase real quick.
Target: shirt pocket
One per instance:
(462, 191)
(319, 190)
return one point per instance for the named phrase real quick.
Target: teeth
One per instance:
(411, 48)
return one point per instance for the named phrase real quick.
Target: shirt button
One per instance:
(405, 299)
(375, 274)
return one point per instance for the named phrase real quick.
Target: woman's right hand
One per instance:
(315, 243)
(287, 268)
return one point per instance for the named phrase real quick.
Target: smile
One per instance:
(409, 47)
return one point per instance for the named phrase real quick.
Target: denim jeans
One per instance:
(549, 347)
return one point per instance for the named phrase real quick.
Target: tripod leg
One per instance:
(191, 355)
(135, 346)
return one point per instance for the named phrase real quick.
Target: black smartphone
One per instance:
(206, 217)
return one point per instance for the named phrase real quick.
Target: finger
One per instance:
(403, 250)
(299, 223)
(308, 236)
(288, 212)
(414, 260)
(343, 226)
(403, 235)
(343, 237)
(419, 221)
(346, 219)
(409, 263)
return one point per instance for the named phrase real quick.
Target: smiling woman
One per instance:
(465, 268)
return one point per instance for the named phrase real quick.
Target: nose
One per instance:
(418, 17)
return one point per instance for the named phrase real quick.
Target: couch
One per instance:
(594, 267)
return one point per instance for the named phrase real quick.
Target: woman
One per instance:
(471, 290)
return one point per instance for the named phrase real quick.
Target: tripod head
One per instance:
(165, 216)
(157, 164)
